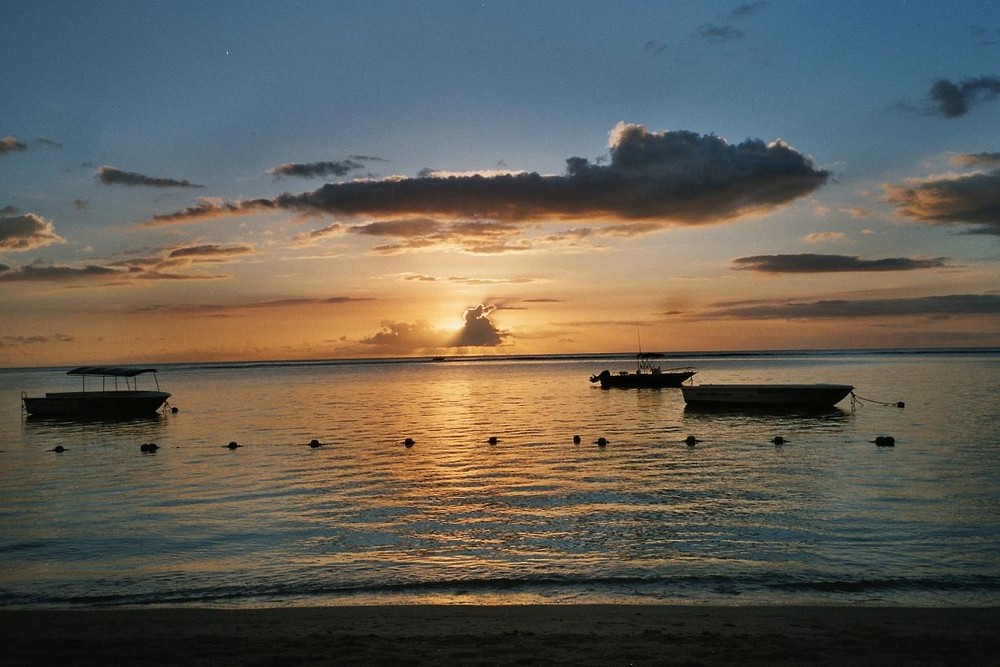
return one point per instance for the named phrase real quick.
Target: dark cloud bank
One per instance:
(814, 263)
(934, 306)
(113, 176)
(673, 178)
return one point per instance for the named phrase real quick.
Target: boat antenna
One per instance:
(638, 356)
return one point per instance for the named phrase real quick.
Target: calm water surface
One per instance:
(827, 518)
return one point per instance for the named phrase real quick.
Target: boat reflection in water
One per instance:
(103, 403)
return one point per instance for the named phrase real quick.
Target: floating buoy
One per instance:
(233, 445)
(314, 443)
(174, 409)
(778, 440)
(58, 448)
(493, 440)
(885, 441)
(900, 404)
(602, 441)
(148, 447)
(691, 441)
(576, 440)
(409, 442)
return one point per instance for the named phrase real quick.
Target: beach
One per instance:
(504, 635)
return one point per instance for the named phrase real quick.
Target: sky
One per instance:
(216, 181)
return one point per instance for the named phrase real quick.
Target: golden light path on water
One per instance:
(826, 517)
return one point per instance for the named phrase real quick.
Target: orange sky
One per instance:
(698, 177)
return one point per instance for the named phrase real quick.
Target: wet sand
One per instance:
(504, 635)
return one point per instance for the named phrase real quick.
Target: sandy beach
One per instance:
(505, 635)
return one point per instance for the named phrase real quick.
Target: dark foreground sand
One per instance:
(505, 635)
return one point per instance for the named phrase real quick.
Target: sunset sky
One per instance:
(187, 181)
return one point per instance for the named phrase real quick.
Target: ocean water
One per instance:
(826, 518)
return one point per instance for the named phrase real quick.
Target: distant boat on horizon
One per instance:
(646, 375)
(104, 403)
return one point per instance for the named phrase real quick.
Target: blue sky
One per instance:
(116, 113)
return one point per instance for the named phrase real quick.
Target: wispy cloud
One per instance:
(825, 237)
(720, 33)
(748, 9)
(20, 233)
(170, 263)
(25, 341)
(672, 178)
(813, 263)
(318, 235)
(114, 176)
(953, 100)
(976, 160)
(61, 274)
(227, 310)
(315, 169)
(466, 280)
(934, 306)
(985, 36)
(11, 145)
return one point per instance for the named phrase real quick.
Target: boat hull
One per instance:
(785, 396)
(642, 380)
(96, 404)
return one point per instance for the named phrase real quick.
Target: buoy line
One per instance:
(859, 402)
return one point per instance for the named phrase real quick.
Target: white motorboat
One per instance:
(788, 396)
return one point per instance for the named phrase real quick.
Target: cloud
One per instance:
(812, 263)
(113, 176)
(44, 273)
(936, 306)
(749, 9)
(315, 169)
(10, 145)
(719, 33)
(825, 237)
(225, 310)
(478, 330)
(953, 199)
(985, 36)
(418, 233)
(466, 280)
(23, 341)
(953, 100)
(976, 160)
(673, 178)
(163, 264)
(317, 235)
(20, 233)
(209, 252)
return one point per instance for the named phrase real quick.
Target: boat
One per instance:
(782, 396)
(103, 403)
(646, 376)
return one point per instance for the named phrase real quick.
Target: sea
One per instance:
(826, 518)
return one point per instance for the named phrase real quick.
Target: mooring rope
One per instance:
(859, 401)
